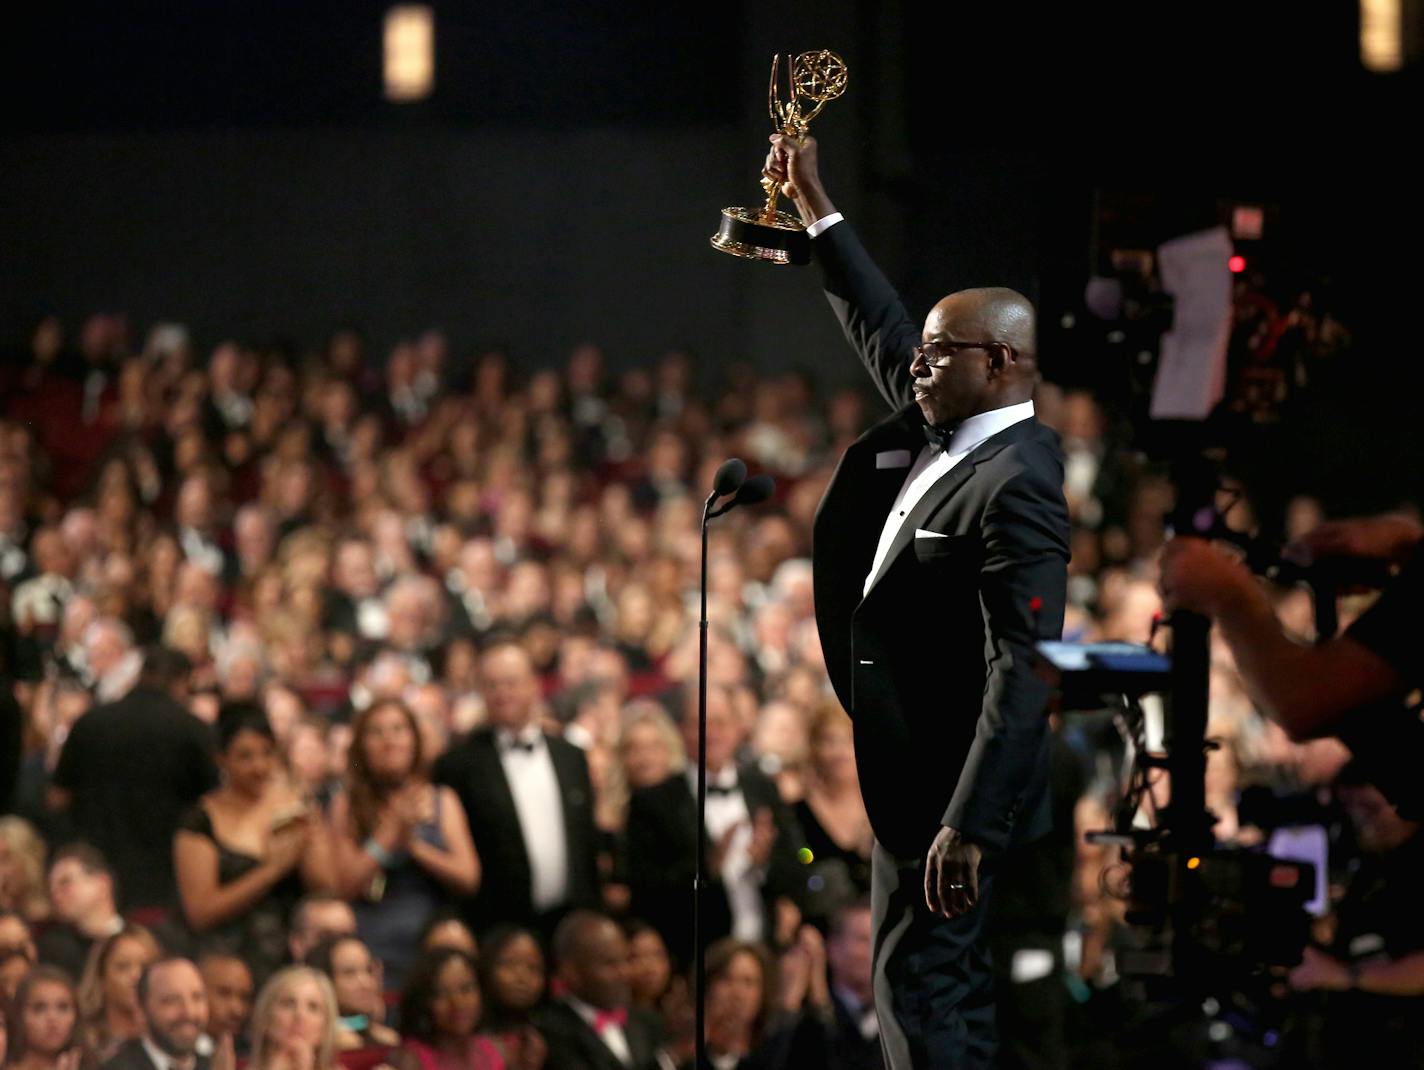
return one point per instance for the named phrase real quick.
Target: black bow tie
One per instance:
(721, 789)
(519, 744)
(938, 437)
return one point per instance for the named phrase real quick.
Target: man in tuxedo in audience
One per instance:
(941, 556)
(81, 891)
(529, 800)
(174, 1003)
(590, 1027)
(855, 1043)
(318, 917)
(750, 842)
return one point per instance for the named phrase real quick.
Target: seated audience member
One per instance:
(440, 1014)
(229, 986)
(22, 866)
(544, 846)
(294, 1022)
(750, 839)
(43, 1023)
(129, 770)
(244, 853)
(649, 967)
(317, 917)
(512, 982)
(81, 889)
(108, 991)
(1371, 976)
(752, 1025)
(356, 980)
(401, 843)
(855, 1041)
(447, 929)
(591, 1026)
(17, 954)
(174, 1003)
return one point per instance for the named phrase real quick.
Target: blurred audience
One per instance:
(319, 657)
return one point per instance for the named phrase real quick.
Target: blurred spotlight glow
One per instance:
(1382, 34)
(409, 52)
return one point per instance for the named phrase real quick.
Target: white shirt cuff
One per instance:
(825, 223)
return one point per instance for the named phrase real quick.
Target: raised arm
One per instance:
(868, 307)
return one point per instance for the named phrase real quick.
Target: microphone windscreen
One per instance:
(730, 476)
(757, 489)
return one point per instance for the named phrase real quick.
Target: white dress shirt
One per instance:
(539, 803)
(611, 1034)
(728, 809)
(162, 1060)
(934, 464)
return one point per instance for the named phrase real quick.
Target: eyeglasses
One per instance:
(939, 354)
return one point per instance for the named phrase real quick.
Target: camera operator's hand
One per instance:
(1201, 577)
(793, 163)
(1319, 971)
(1391, 537)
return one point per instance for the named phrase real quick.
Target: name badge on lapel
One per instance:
(892, 459)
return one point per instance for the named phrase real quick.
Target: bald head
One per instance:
(591, 957)
(993, 314)
(982, 355)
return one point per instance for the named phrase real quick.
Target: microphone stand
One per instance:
(698, 955)
(731, 479)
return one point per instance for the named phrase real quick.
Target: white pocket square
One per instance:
(926, 533)
(892, 459)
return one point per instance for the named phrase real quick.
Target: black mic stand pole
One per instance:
(729, 479)
(698, 968)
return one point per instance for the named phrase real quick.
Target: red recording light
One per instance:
(1237, 264)
(1035, 603)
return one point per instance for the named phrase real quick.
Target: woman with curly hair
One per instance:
(402, 843)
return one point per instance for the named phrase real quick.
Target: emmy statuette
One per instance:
(765, 233)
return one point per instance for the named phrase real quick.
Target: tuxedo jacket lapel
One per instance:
(943, 490)
(935, 497)
(570, 788)
(492, 769)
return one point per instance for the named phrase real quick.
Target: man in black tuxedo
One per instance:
(591, 1027)
(175, 1013)
(530, 804)
(81, 891)
(750, 840)
(855, 1044)
(941, 551)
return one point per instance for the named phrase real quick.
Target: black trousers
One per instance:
(934, 984)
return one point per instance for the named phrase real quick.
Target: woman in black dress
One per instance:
(832, 817)
(247, 851)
